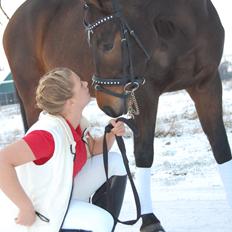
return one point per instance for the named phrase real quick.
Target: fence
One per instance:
(8, 98)
(7, 93)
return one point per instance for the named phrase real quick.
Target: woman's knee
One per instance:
(105, 221)
(116, 165)
(88, 217)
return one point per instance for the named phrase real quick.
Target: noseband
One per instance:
(129, 81)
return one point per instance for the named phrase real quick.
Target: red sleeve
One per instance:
(42, 145)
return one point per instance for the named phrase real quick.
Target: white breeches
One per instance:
(82, 214)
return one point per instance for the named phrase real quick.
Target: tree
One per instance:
(3, 11)
(225, 70)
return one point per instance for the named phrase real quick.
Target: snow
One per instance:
(186, 188)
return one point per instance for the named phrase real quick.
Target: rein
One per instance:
(122, 149)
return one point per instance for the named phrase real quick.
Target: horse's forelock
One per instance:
(105, 5)
(100, 2)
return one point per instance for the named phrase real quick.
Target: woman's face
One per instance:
(81, 95)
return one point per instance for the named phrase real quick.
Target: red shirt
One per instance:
(42, 145)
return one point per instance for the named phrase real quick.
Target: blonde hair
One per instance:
(54, 88)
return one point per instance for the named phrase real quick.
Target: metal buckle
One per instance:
(131, 86)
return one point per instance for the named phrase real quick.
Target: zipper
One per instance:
(73, 151)
(69, 201)
(70, 196)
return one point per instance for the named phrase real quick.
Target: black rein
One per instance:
(122, 149)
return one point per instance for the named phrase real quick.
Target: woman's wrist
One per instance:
(26, 205)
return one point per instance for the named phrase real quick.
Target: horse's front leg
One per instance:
(143, 147)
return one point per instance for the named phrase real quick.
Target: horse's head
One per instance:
(120, 50)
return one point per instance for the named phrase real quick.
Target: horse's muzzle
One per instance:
(110, 112)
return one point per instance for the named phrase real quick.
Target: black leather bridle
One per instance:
(130, 82)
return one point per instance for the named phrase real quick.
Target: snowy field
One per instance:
(187, 191)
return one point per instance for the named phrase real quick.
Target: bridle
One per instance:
(130, 82)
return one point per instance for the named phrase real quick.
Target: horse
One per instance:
(137, 51)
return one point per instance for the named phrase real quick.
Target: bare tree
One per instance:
(3, 11)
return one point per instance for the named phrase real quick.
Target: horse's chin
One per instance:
(111, 112)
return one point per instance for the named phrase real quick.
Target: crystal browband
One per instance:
(109, 82)
(92, 26)
(118, 81)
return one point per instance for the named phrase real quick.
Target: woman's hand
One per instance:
(119, 128)
(26, 216)
(96, 144)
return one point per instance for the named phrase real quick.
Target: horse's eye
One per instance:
(107, 47)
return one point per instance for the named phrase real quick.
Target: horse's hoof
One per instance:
(152, 228)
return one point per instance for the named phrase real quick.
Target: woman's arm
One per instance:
(12, 156)
(96, 144)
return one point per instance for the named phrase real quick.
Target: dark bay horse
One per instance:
(154, 46)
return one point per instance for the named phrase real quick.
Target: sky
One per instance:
(224, 8)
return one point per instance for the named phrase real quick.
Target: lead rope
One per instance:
(122, 149)
(133, 107)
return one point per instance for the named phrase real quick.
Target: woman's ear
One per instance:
(68, 104)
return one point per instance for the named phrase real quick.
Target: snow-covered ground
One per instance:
(187, 191)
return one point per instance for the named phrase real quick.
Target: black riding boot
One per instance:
(116, 193)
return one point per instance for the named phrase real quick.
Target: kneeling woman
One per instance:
(56, 179)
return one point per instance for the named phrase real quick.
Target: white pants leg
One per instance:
(92, 175)
(86, 216)
(81, 214)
